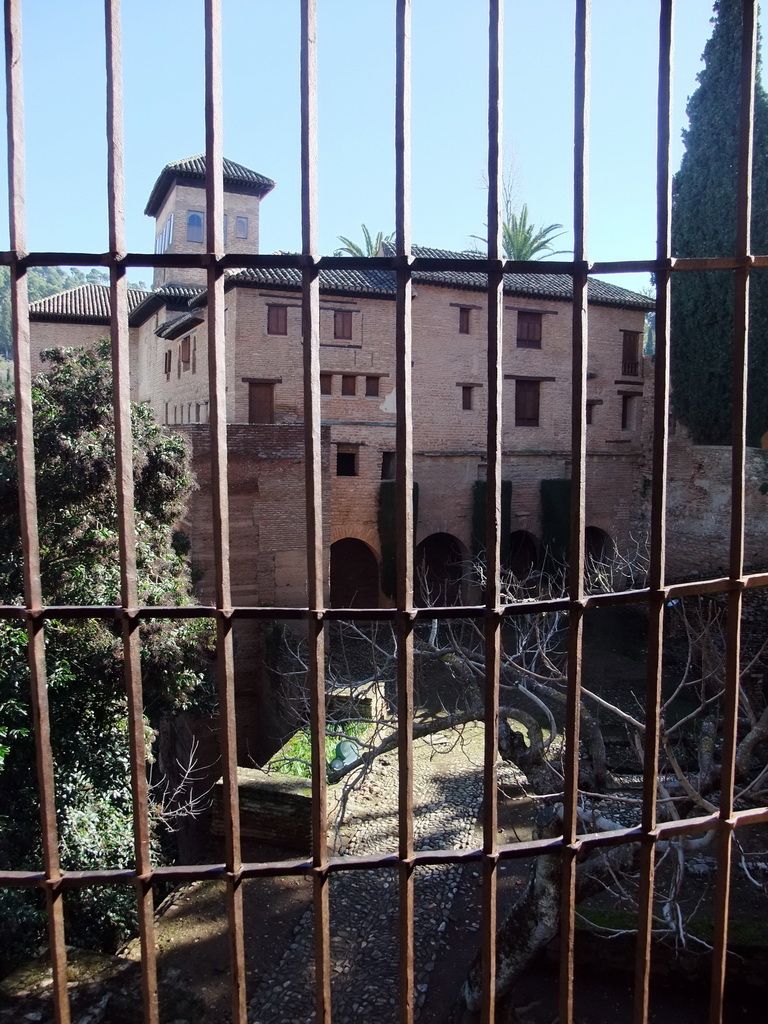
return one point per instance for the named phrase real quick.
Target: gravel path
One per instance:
(364, 904)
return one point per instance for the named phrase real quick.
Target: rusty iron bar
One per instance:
(404, 535)
(491, 620)
(577, 511)
(656, 572)
(39, 707)
(310, 298)
(266, 869)
(736, 560)
(121, 404)
(214, 193)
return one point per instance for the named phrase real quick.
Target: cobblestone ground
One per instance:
(364, 904)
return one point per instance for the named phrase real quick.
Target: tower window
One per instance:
(241, 227)
(194, 226)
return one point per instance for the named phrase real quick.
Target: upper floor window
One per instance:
(372, 387)
(464, 319)
(629, 412)
(630, 353)
(277, 319)
(241, 227)
(194, 226)
(164, 238)
(186, 352)
(326, 383)
(346, 460)
(167, 361)
(527, 403)
(466, 396)
(529, 330)
(225, 229)
(348, 384)
(342, 324)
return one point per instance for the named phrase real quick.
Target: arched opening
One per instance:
(439, 568)
(598, 546)
(354, 575)
(523, 554)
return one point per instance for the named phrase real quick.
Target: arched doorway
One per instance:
(598, 546)
(439, 567)
(523, 554)
(354, 575)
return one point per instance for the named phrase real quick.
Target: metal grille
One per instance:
(52, 880)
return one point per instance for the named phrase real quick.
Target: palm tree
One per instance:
(522, 240)
(371, 245)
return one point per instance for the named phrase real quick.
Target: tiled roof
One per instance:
(340, 282)
(171, 294)
(88, 303)
(540, 286)
(193, 169)
(178, 325)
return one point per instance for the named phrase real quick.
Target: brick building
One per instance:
(265, 387)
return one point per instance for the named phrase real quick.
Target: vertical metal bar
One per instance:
(404, 485)
(739, 413)
(310, 297)
(33, 598)
(214, 194)
(492, 625)
(121, 402)
(658, 513)
(578, 461)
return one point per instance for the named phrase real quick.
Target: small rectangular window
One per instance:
(629, 412)
(630, 354)
(185, 352)
(197, 412)
(241, 227)
(529, 330)
(326, 383)
(342, 324)
(277, 319)
(167, 364)
(348, 381)
(388, 465)
(527, 403)
(225, 229)
(464, 320)
(466, 397)
(372, 387)
(346, 460)
(590, 407)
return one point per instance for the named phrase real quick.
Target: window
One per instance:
(277, 319)
(388, 465)
(466, 396)
(326, 383)
(629, 412)
(185, 352)
(164, 237)
(342, 324)
(630, 356)
(527, 403)
(463, 319)
(194, 226)
(167, 364)
(346, 460)
(372, 387)
(261, 402)
(590, 407)
(225, 229)
(529, 330)
(241, 227)
(197, 412)
(348, 382)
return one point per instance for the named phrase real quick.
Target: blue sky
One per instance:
(164, 116)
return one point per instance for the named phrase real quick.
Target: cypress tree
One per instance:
(704, 197)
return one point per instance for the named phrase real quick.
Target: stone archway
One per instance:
(354, 575)
(439, 565)
(523, 554)
(598, 545)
